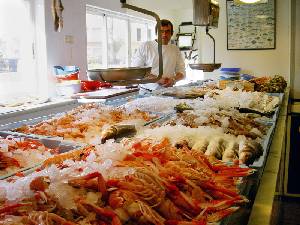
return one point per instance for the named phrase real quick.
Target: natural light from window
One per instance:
(17, 76)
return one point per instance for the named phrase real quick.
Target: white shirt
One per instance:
(147, 55)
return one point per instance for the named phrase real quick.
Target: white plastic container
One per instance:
(68, 88)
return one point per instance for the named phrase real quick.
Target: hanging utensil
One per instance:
(207, 67)
(206, 13)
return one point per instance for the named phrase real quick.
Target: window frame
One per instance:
(129, 19)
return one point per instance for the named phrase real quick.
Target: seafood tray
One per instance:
(265, 143)
(125, 124)
(275, 115)
(281, 96)
(51, 143)
(80, 182)
(182, 92)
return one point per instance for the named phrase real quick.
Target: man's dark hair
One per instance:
(165, 23)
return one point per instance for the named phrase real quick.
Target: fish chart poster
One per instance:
(251, 26)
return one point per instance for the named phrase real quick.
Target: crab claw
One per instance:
(39, 183)
(88, 182)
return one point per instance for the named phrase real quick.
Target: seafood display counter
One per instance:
(192, 158)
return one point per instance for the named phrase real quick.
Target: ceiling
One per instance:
(162, 4)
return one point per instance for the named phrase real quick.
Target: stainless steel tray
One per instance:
(266, 142)
(35, 112)
(29, 121)
(62, 146)
(11, 127)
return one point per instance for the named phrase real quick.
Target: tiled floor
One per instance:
(288, 212)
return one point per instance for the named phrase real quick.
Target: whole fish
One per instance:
(116, 131)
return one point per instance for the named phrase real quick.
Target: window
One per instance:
(117, 42)
(151, 32)
(112, 38)
(17, 63)
(138, 34)
(96, 41)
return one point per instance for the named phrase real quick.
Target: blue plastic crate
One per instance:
(230, 70)
(63, 70)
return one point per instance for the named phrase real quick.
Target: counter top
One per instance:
(261, 213)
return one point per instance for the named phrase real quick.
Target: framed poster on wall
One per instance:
(251, 26)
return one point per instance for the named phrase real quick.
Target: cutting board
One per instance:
(105, 93)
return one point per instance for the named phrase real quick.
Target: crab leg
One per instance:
(106, 213)
(85, 181)
(11, 208)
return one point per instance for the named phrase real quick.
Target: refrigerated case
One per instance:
(259, 188)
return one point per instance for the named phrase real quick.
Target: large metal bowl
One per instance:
(206, 67)
(118, 74)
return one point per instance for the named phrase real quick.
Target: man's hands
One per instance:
(167, 82)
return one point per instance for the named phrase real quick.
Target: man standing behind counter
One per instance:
(173, 64)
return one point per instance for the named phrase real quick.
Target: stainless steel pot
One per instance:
(119, 74)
